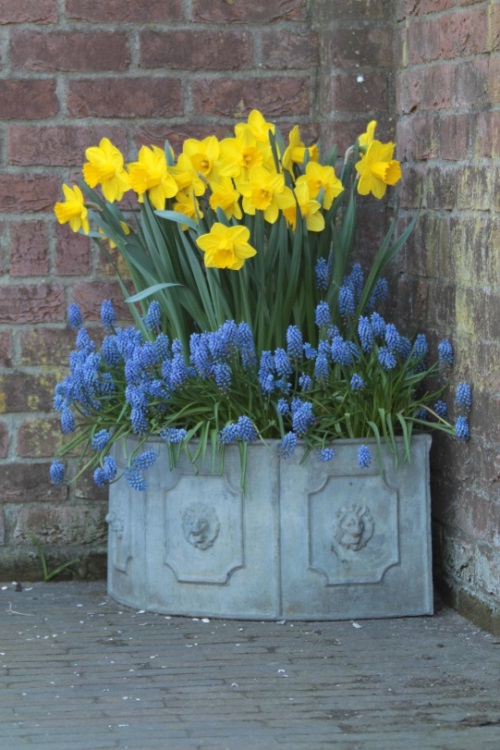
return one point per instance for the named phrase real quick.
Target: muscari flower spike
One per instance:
(463, 397)
(364, 457)
(56, 472)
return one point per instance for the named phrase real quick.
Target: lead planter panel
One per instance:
(311, 540)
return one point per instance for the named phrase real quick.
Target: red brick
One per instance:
(46, 347)
(425, 89)
(424, 40)
(258, 11)
(28, 483)
(4, 440)
(28, 100)
(156, 134)
(125, 97)
(276, 97)
(454, 136)
(421, 7)
(29, 249)
(283, 49)
(71, 51)
(28, 11)
(196, 50)
(133, 11)
(417, 137)
(90, 295)
(24, 392)
(359, 47)
(348, 94)
(471, 85)
(464, 32)
(486, 134)
(63, 145)
(39, 438)
(494, 80)
(73, 252)
(34, 303)
(28, 192)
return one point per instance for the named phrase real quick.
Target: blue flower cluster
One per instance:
(143, 383)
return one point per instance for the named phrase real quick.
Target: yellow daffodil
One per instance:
(105, 168)
(323, 178)
(265, 191)
(296, 150)
(225, 196)
(186, 177)
(377, 169)
(73, 210)
(226, 247)
(365, 139)
(258, 126)
(238, 155)
(150, 174)
(186, 203)
(309, 208)
(203, 154)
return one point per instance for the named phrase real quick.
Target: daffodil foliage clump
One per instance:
(253, 321)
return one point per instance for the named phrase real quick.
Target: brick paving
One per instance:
(80, 672)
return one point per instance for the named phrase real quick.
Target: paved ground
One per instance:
(80, 672)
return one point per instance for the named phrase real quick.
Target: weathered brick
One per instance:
(442, 187)
(474, 188)
(52, 145)
(454, 136)
(258, 11)
(73, 253)
(464, 32)
(359, 92)
(39, 438)
(27, 482)
(27, 99)
(423, 40)
(4, 439)
(418, 137)
(46, 347)
(283, 49)
(471, 85)
(132, 11)
(27, 11)
(186, 49)
(421, 7)
(351, 10)
(125, 97)
(69, 51)
(148, 134)
(358, 47)
(28, 249)
(486, 134)
(90, 295)
(61, 524)
(493, 81)
(31, 303)
(276, 97)
(26, 392)
(28, 192)
(5, 348)
(425, 89)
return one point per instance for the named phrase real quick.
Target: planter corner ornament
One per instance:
(306, 541)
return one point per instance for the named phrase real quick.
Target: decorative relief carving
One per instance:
(352, 528)
(200, 525)
(115, 523)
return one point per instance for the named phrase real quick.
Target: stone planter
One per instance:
(312, 541)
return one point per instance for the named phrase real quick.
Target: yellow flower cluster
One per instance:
(238, 175)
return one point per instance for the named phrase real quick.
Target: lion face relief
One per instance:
(352, 528)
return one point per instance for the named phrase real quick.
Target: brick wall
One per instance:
(71, 73)
(448, 97)
(139, 72)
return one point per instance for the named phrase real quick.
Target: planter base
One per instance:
(312, 541)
